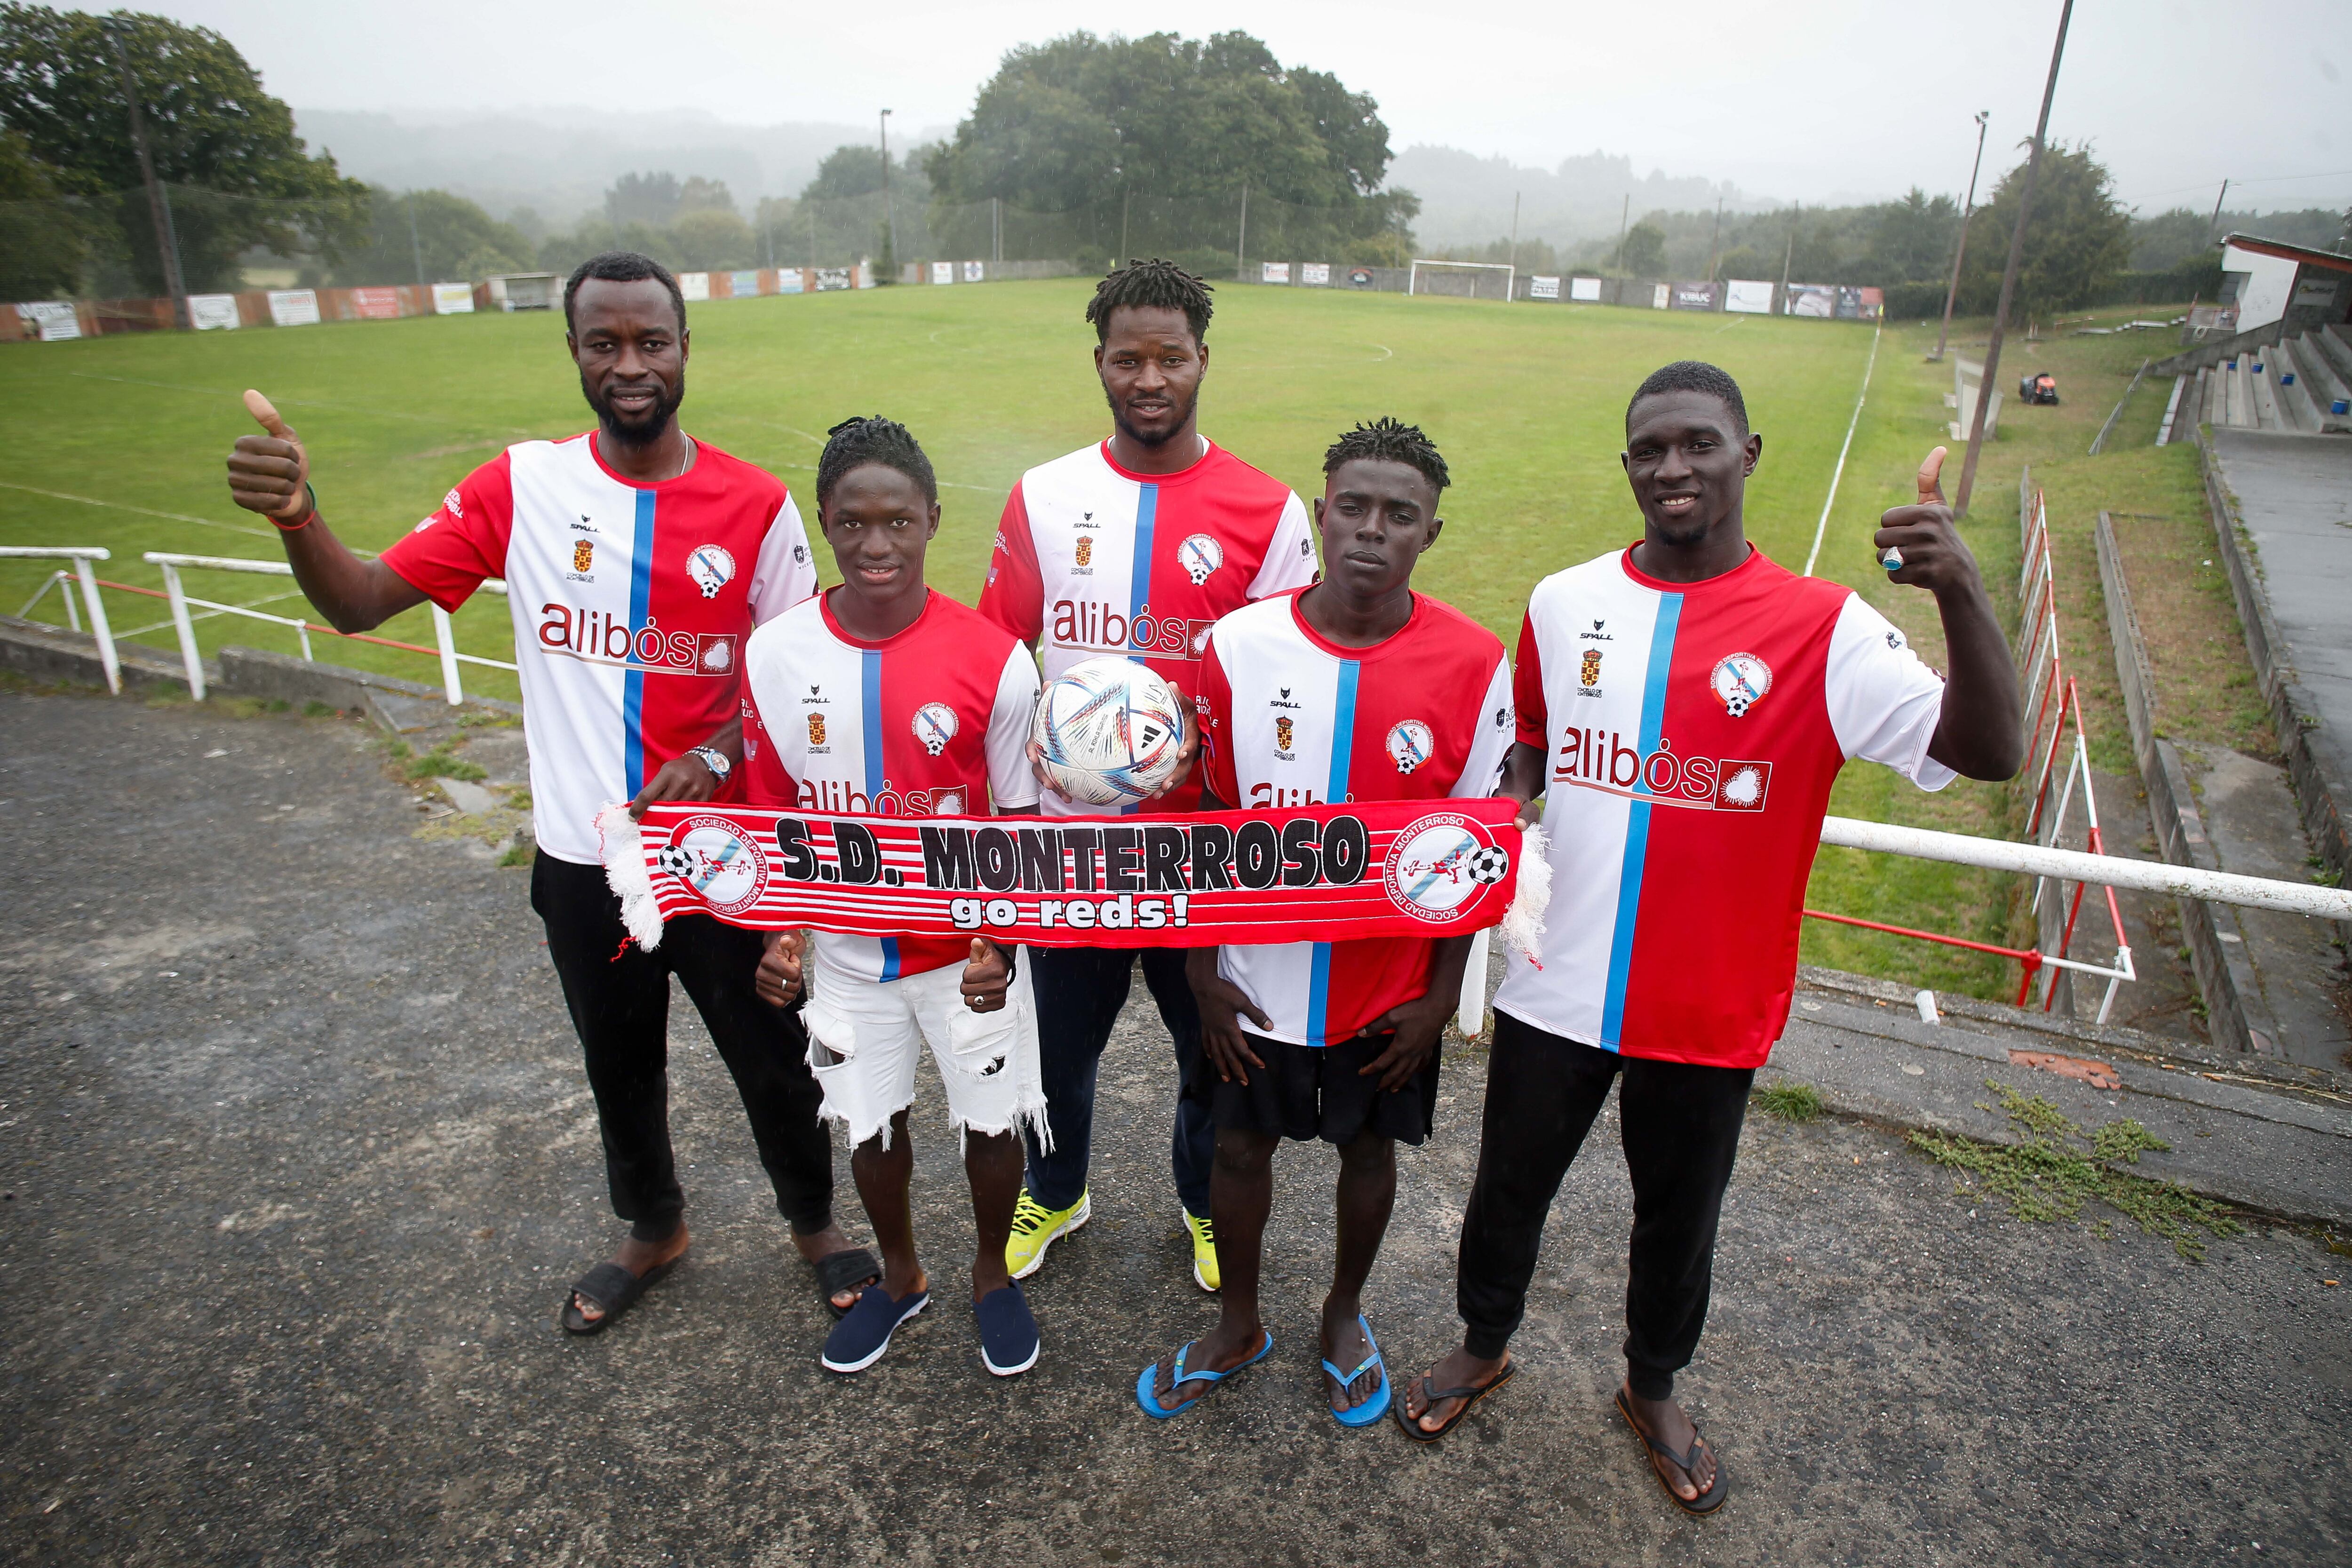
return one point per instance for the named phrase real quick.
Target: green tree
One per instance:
(851, 170)
(1645, 250)
(245, 178)
(1911, 240)
(650, 199)
(451, 240)
(699, 195)
(2075, 242)
(712, 238)
(42, 242)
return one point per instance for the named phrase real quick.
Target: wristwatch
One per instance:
(715, 760)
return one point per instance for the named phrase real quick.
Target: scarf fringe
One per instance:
(625, 872)
(1523, 923)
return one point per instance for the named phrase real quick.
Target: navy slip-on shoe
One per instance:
(864, 1332)
(1008, 1333)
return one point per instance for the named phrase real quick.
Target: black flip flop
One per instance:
(1470, 1394)
(1708, 1502)
(611, 1286)
(854, 1269)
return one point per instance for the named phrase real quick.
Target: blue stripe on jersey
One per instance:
(1637, 822)
(633, 683)
(1335, 792)
(869, 692)
(1138, 583)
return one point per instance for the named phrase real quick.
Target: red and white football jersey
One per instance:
(631, 604)
(1692, 732)
(1093, 560)
(932, 723)
(1288, 719)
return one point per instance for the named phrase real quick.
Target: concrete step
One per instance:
(2263, 390)
(2324, 381)
(2293, 397)
(2331, 342)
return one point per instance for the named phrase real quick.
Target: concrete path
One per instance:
(296, 1160)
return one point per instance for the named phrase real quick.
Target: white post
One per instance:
(98, 627)
(187, 630)
(65, 591)
(1472, 1016)
(448, 641)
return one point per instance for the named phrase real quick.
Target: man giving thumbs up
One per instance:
(1683, 706)
(637, 562)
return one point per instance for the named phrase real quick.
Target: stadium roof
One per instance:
(2285, 252)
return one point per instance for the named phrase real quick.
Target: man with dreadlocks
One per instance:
(1355, 688)
(883, 697)
(1685, 705)
(1135, 546)
(639, 559)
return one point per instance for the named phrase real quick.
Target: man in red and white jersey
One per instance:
(636, 563)
(883, 697)
(1684, 708)
(1356, 689)
(1134, 547)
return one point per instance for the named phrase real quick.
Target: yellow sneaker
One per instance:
(1204, 1253)
(1036, 1227)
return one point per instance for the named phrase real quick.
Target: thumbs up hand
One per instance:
(271, 474)
(1920, 544)
(986, 974)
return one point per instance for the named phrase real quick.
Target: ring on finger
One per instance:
(1892, 560)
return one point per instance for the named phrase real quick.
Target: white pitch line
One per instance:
(142, 511)
(1859, 399)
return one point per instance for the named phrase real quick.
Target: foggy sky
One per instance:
(1817, 101)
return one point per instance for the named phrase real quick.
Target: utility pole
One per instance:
(1122, 223)
(1983, 115)
(1624, 213)
(1714, 245)
(2214, 221)
(995, 229)
(1515, 233)
(1788, 254)
(889, 213)
(1241, 242)
(2009, 273)
(415, 245)
(158, 205)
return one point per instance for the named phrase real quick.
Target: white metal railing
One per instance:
(81, 555)
(172, 564)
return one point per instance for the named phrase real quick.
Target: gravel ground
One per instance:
(297, 1158)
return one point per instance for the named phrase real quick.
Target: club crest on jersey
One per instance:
(1282, 735)
(1409, 744)
(816, 730)
(1438, 863)
(1740, 682)
(711, 567)
(719, 860)
(1200, 556)
(583, 555)
(935, 726)
(1085, 554)
(454, 505)
(1588, 674)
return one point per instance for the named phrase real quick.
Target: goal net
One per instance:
(1463, 279)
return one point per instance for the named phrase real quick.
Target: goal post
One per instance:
(1461, 279)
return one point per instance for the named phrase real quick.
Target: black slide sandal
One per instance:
(1469, 1395)
(611, 1286)
(852, 1269)
(1708, 1502)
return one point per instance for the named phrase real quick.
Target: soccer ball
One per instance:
(1490, 865)
(1109, 731)
(676, 860)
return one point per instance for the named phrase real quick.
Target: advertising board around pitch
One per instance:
(294, 307)
(213, 312)
(1584, 289)
(1542, 285)
(1750, 297)
(453, 299)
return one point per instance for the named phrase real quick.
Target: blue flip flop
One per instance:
(1371, 1409)
(1159, 1412)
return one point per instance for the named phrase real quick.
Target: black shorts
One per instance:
(1304, 1092)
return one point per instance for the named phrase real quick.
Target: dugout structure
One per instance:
(1461, 279)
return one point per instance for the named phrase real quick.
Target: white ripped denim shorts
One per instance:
(865, 1036)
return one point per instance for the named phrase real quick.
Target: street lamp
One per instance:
(889, 213)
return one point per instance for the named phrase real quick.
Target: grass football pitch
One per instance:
(119, 442)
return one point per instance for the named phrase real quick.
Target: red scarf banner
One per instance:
(1322, 873)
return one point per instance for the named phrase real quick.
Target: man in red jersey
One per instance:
(637, 560)
(882, 697)
(1356, 689)
(1684, 708)
(1134, 547)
